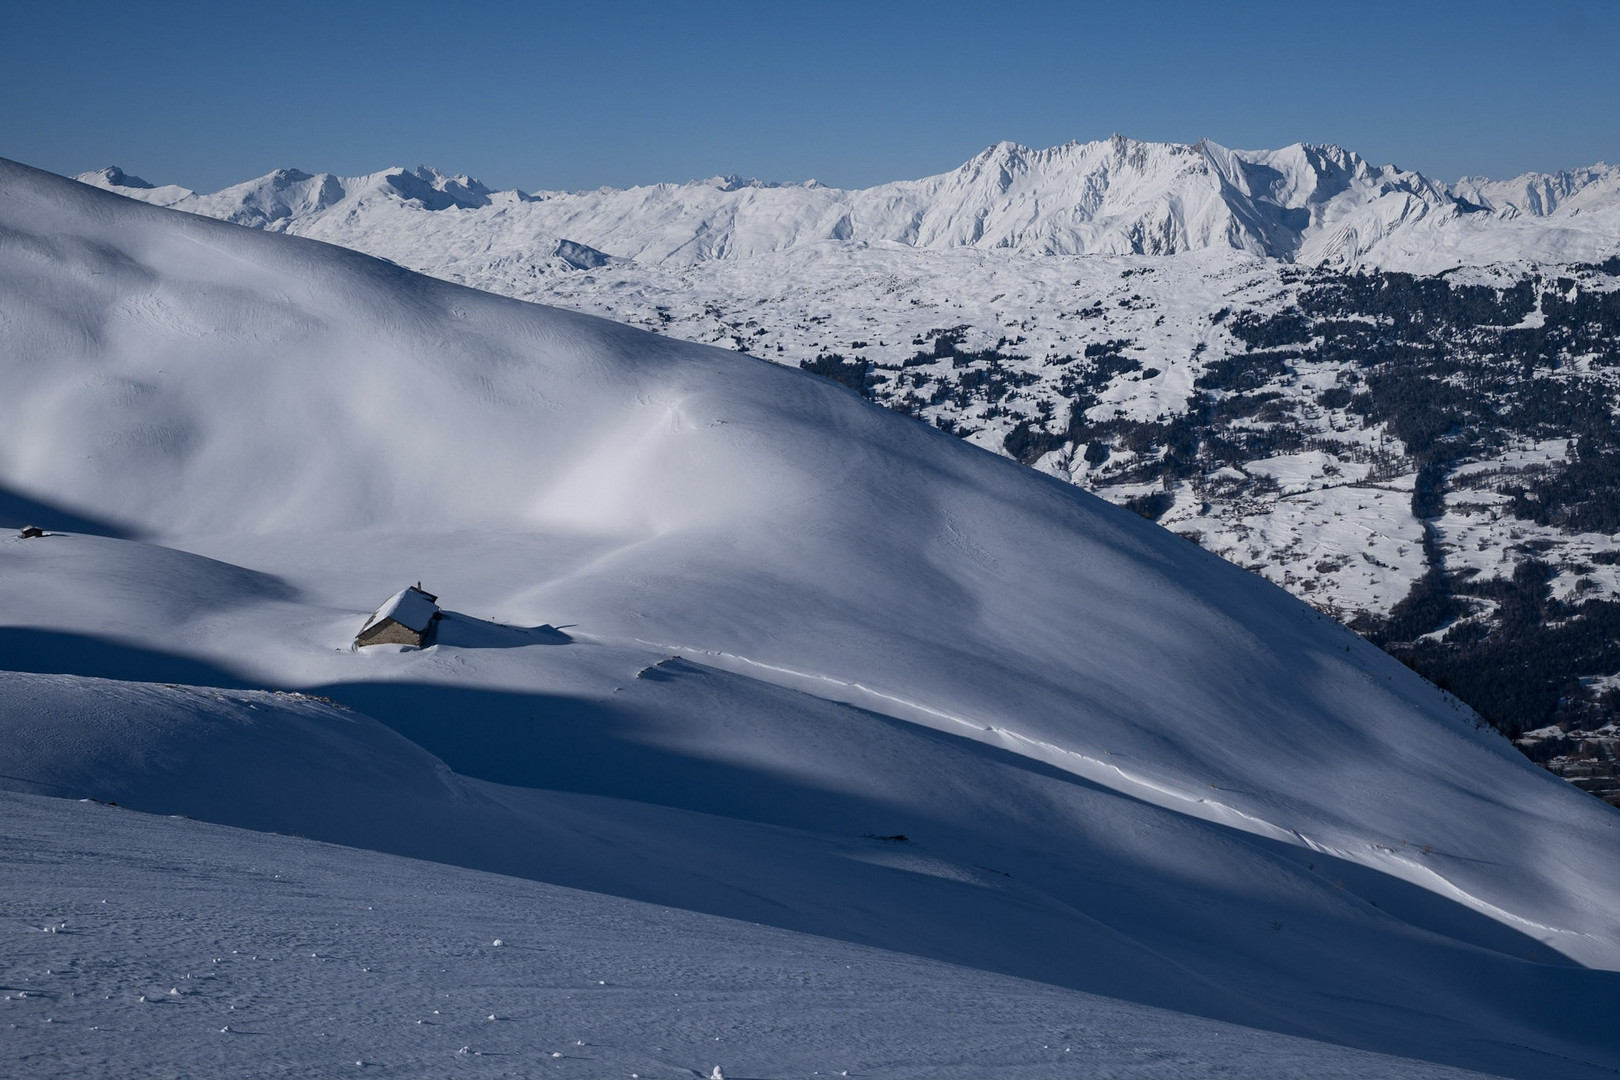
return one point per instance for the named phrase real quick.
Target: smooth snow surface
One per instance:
(721, 637)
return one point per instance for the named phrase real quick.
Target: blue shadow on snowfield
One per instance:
(598, 748)
(560, 743)
(55, 652)
(17, 510)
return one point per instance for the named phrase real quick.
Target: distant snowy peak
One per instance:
(733, 182)
(273, 200)
(1315, 204)
(1114, 197)
(1121, 196)
(112, 178)
(277, 199)
(1542, 194)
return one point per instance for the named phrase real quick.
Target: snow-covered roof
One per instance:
(410, 607)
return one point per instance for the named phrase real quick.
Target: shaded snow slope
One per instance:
(1314, 204)
(304, 959)
(1121, 765)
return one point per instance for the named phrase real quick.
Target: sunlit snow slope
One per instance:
(723, 637)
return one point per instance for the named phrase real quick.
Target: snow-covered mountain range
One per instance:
(950, 299)
(719, 637)
(1318, 205)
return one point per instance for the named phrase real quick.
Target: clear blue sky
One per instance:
(543, 95)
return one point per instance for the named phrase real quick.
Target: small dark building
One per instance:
(28, 532)
(406, 618)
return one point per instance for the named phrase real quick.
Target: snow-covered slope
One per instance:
(1091, 367)
(148, 942)
(1314, 204)
(724, 637)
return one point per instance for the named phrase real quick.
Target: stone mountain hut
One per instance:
(406, 618)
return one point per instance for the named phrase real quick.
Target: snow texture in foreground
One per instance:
(723, 638)
(134, 942)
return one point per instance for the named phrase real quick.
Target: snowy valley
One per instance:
(763, 728)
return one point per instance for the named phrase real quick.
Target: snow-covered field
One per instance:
(720, 638)
(144, 946)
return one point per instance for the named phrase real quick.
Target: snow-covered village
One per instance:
(1030, 602)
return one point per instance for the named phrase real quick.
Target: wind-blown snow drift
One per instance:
(1119, 764)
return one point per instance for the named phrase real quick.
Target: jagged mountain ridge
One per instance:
(1543, 194)
(1316, 204)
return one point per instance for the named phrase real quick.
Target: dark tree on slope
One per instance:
(851, 373)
